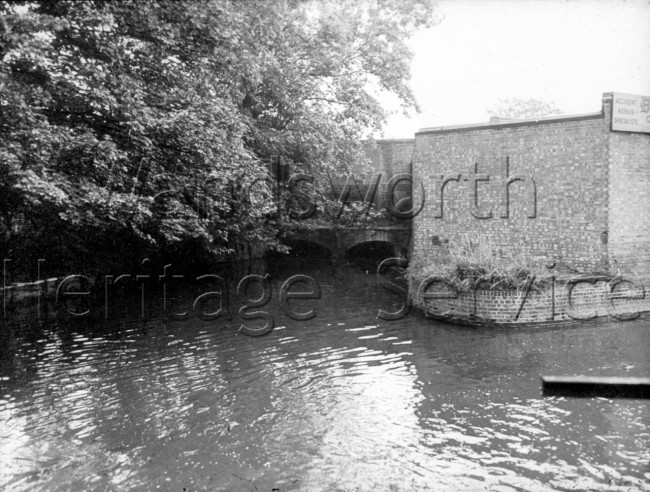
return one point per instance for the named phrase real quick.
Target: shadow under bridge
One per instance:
(344, 243)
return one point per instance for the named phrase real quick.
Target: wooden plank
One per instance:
(586, 387)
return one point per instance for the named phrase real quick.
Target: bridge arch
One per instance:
(304, 255)
(370, 253)
(341, 240)
(307, 248)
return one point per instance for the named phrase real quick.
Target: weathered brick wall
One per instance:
(558, 302)
(629, 190)
(390, 157)
(385, 158)
(566, 157)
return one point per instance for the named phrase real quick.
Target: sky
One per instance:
(564, 51)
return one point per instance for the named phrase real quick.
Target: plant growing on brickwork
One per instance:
(473, 259)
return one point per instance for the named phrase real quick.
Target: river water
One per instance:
(342, 401)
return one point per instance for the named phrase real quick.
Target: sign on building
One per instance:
(631, 113)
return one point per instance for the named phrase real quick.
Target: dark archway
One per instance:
(368, 255)
(301, 248)
(303, 255)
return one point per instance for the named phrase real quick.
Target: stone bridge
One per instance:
(340, 240)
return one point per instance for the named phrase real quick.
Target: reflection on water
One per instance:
(343, 401)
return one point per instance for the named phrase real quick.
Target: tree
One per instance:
(517, 108)
(148, 119)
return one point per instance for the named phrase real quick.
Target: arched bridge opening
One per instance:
(347, 244)
(303, 254)
(302, 248)
(369, 254)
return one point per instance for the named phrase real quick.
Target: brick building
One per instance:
(567, 188)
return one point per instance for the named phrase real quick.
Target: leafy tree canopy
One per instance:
(147, 118)
(523, 108)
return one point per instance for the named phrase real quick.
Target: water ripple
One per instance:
(342, 402)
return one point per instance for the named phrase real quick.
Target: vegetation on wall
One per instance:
(473, 258)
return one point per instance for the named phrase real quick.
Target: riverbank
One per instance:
(548, 302)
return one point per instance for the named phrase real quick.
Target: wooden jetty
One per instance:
(606, 387)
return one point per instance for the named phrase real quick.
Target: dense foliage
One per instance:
(524, 108)
(133, 124)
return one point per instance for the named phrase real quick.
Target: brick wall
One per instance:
(579, 194)
(388, 158)
(629, 214)
(581, 198)
(565, 158)
(556, 301)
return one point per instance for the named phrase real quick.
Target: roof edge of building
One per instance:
(509, 124)
(390, 140)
